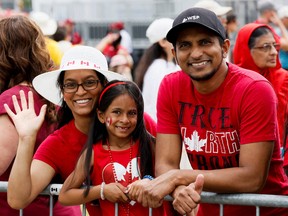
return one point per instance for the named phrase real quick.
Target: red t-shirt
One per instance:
(240, 111)
(103, 172)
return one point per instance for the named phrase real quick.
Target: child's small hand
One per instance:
(114, 192)
(135, 189)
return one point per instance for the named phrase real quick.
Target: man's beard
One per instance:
(207, 76)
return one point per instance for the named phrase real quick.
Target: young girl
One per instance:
(118, 152)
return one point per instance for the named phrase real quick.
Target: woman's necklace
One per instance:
(127, 210)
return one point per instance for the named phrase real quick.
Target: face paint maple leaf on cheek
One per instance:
(108, 121)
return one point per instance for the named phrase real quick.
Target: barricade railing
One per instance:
(245, 199)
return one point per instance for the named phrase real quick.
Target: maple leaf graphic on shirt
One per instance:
(195, 143)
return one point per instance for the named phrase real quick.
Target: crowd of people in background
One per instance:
(206, 91)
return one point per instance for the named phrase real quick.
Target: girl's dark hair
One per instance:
(98, 130)
(64, 114)
(155, 51)
(258, 32)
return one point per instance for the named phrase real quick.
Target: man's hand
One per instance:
(186, 198)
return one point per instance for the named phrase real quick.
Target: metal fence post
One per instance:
(116, 209)
(83, 210)
(51, 205)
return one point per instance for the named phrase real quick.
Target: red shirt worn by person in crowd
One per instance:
(277, 76)
(73, 36)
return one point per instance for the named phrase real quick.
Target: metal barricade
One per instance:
(257, 200)
(245, 199)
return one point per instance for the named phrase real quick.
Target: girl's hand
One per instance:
(135, 189)
(26, 122)
(114, 192)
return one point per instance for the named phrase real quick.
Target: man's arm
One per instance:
(167, 153)
(250, 176)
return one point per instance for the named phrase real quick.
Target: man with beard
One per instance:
(223, 114)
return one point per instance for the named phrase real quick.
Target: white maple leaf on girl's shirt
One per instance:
(121, 170)
(195, 143)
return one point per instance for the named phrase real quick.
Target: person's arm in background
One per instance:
(36, 175)
(108, 39)
(8, 142)
(284, 33)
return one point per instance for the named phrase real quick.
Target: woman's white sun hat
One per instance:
(77, 57)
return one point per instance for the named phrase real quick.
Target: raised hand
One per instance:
(26, 122)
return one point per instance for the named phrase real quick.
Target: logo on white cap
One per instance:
(195, 17)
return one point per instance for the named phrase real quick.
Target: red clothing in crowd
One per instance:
(277, 76)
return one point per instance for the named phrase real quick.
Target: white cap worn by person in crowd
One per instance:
(47, 24)
(213, 6)
(283, 12)
(77, 57)
(48, 27)
(158, 29)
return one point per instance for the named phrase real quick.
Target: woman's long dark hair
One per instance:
(64, 114)
(98, 130)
